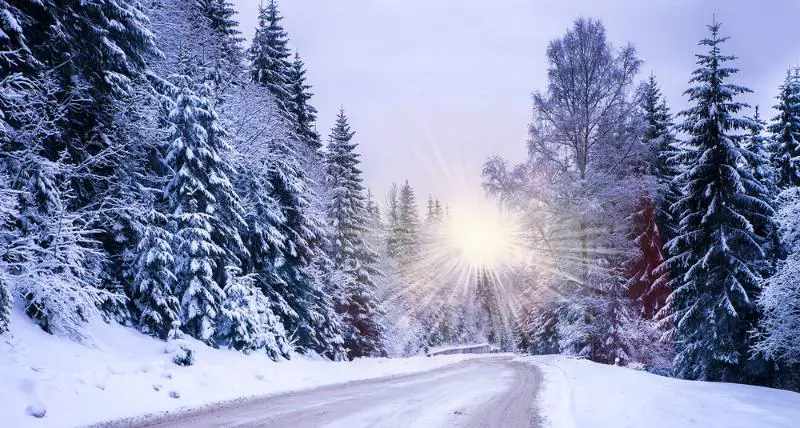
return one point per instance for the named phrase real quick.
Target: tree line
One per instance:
(157, 173)
(663, 241)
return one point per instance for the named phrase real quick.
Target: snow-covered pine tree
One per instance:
(430, 215)
(274, 190)
(269, 59)
(373, 210)
(246, 321)
(717, 244)
(761, 151)
(154, 281)
(785, 128)
(661, 145)
(358, 306)
(221, 14)
(407, 224)
(654, 223)
(393, 221)
(203, 204)
(303, 113)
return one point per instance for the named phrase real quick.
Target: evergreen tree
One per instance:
(661, 146)
(430, 215)
(765, 173)
(302, 305)
(373, 210)
(154, 280)
(221, 14)
(246, 322)
(303, 113)
(269, 59)
(654, 222)
(786, 132)
(206, 210)
(717, 245)
(393, 239)
(438, 212)
(348, 214)
(407, 223)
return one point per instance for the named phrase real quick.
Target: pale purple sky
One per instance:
(434, 87)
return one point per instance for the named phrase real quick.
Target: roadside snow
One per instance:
(124, 373)
(579, 393)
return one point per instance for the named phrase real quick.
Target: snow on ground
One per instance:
(124, 373)
(579, 393)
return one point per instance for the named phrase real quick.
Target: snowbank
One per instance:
(124, 373)
(579, 393)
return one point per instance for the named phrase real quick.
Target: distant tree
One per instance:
(407, 233)
(785, 128)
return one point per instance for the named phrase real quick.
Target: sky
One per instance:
(434, 87)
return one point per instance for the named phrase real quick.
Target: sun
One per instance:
(483, 236)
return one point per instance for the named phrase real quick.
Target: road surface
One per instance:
(487, 392)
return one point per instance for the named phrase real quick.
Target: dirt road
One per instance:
(488, 392)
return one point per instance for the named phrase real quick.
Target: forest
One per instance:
(161, 172)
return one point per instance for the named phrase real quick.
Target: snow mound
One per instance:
(580, 393)
(51, 381)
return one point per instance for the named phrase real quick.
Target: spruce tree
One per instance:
(348, 214)
(154, 280)
(717, 246)
(761, 149)
(785, 128)
(661, 145)
(654, 222)
(246, 321)
(407, 223)
(269, 59)
(302, 305)
(203, 204)
(303, 113)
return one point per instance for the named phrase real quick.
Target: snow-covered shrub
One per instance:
(182, 353)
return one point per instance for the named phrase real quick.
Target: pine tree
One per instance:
(246, 321)
(301, 305)
(661, 145)
(718, 244)
(765, 173)
(203, 204)
(348, 214)
(303, 113)
(430, 215)
(154, 281)
(786, 132)
(393, 242)
(654, 222)
(438, 211)
(269, 58)
(407, 223)
(221, 14)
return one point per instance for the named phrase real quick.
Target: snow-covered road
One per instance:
(487, 392)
